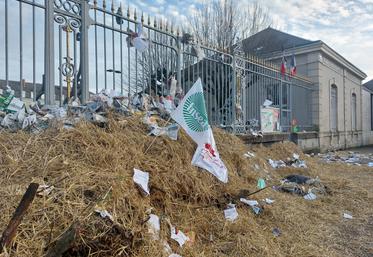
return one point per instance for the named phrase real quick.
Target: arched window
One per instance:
(333, 108)
(353, 112)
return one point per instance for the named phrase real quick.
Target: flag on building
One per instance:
(191, 115)
(293, 66)
(283, 64)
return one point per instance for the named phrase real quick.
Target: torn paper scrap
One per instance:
(44, 190)
(141, 178)
(310, 196)
(249, 202)
(249, 155)
(154, 226)
(231, 213)
(104, 214)
(179, 236)
(269, 201)
(347, 216)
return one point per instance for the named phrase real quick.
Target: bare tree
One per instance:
(223, 22)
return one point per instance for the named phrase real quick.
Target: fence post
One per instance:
(178, 62)
(84, 61)
(234, 93)
(49, 66)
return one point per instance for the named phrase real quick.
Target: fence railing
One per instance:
(76, 47)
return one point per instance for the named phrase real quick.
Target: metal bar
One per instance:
(33, 53)
(234, 97)
(60, 62)
(105, 68)
(129, 63)
(20, 50)
(84, 51)
(113, 46)
(49, 53)
(33, 3)
(96, 52)
(121, 60)
(75, 85)
(136, 60)
(6, 45)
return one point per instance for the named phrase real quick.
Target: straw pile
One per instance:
(91, 166)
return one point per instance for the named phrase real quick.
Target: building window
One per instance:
(333, 108)
(353, 111)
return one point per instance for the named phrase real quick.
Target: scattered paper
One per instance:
(154, 226)
(253, 204)
(44, 190)
(28, 121)
(141, 178)
(267, 103)
(310, 196)
(249, 155)
(347, 216)
(104, 214)
(249, 202)
(276, 232)
(276, 164)
(296, 156)
(179, 236)
(269, 201)
(175, 255)
(370, 164)
(171, 131)
(231, 213)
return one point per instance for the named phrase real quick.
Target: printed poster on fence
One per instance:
(269, 119)
(191, 115)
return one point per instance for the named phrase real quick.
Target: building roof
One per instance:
(271, 40)
(369, 85)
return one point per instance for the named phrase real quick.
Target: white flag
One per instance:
(192, 116)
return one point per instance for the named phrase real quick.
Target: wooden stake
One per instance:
(21, 210)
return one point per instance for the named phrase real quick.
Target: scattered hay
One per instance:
(90, 165)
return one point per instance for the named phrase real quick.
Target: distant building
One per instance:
(337, 98)
(367, 103)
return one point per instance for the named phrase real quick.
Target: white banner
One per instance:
(192, 116)
(206, 157)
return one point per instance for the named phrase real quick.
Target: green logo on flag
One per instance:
(195, 114)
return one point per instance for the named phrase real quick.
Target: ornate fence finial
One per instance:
(95, 3)
(135, 15)
(149, 20)
(166, 26)
(172, 28)
(104, 4)
(155, 22)
(128, 12)
(112, 6)
(142, 17)
(178, 31)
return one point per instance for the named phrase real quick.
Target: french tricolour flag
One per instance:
(293, 66)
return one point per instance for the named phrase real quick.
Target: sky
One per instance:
(346, 26)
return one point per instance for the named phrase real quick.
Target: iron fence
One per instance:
(76, 47)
